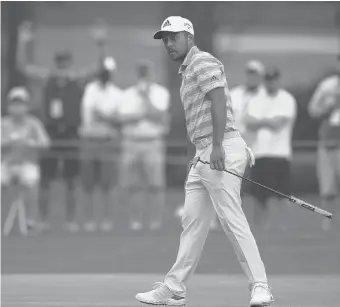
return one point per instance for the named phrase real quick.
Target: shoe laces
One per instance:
(260, 286)
(157, 284)
(160, 289)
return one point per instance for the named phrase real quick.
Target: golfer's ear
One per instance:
(191, 38)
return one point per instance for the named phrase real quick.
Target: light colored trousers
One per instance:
(208, 191)
(328, 171)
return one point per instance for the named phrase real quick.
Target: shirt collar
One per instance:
(141, 84)
(194, 50)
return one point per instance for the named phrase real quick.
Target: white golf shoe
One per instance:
(261, 296)
(160, 295)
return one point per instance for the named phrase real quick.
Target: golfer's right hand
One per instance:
(217, 157)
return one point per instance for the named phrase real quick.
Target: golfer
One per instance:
(210, 126)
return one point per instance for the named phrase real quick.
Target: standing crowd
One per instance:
(90, 131)
(266, 114)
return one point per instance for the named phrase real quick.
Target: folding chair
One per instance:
(17, 208)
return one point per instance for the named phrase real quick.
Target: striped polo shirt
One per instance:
(201, 73)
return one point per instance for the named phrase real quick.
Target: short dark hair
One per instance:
(272, 73)
(144, 68)
(62, 55)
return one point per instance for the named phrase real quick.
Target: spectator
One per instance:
(61, 104)
(243, 94)
(21, 136)
(272, 116)
(325, 105)
(101, 99)
(145, 119)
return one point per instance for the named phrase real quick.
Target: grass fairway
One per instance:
(61, 269)
(119, 290)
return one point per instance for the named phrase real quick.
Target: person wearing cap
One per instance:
(62, 88)
(101, 141)
(63, 61)
(61, 98)
(211, 128)
(272, 117)
(145, 123)
(325, 106)
(22, 135)
(242, 95)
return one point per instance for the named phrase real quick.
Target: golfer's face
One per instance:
(176, 45)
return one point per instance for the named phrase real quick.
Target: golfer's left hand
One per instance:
(217, 157)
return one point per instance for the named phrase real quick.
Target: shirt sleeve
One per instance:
(128, 106)
(42, 138)
(86, 107)
(235, 100)
(4, 133)
(319, 105)
(287, 108)
(123, 104)
(114, 108)
(163, 102)
(37, 72)
(291, 110)
(209, 73)
(255, 108)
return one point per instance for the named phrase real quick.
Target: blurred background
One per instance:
(300, 38)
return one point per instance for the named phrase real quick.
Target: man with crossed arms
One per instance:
(210, 126)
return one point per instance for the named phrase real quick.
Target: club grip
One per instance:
(310, 207)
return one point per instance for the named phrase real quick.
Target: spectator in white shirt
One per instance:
(272, 115)
(101, 140)
(325, 106)
(243, 94)
(145, 119)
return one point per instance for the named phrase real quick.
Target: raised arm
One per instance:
(24, 56)
(88, 73)
(99, 35)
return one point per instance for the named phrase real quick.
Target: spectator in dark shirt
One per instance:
(62, 97)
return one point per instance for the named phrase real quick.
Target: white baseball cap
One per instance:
(175, 24)
(110, 64)
(255, 66)
(18, 93)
